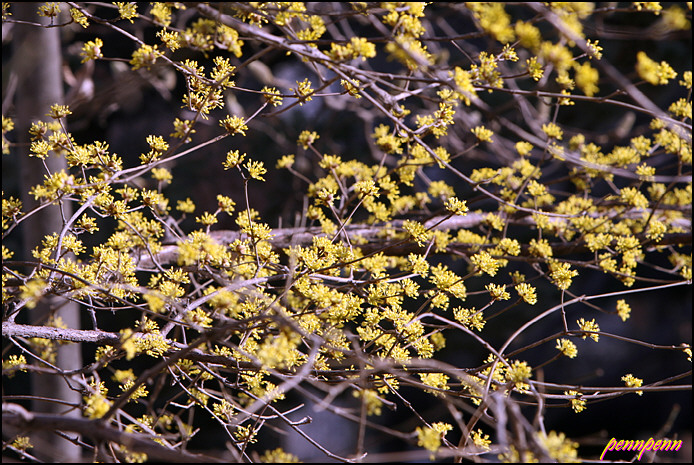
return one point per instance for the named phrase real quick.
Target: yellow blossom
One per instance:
(59, 111)
(552, 130)
(577, 403)
(523, 148)
(428, 438)
(418, 264)
(652, 72)
(567, 348)
(127, 10)
(586, 79)
(22, 443)
(96, 404)
(145, 56)
(559, 447)
(272, 96)
(562, 274)
(480, 439)
(372, 400)
(307, 138)
(493, 19)
(49, 9)
(417, 231)
(632, 381)
(245, 434)
(623, 309)
(186, 206)
(162, 174)
(498, 292)
(589, 326)
(303, 91)
(675, 18)
(470, 317)
(278, 456)
(439, 381)
(483, 134)
(631, 196)
(234, 125)
(457, 207)
(256, 169)
(285, 162)
(527, 292)
(234, 159)
(518, 372)
(12, 364)
(484, 262)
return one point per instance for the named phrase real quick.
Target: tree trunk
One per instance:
(37, 63)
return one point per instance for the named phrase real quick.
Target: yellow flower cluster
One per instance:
(652, 72)
(365, 280)
(561, 274)
(577, 403)
(470, 317)
(517, 373)
(589, 326)
(623, 309)
(567, 348)
(632, 381)
(484, 262)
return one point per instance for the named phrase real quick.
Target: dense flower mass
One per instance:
(370, 207)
